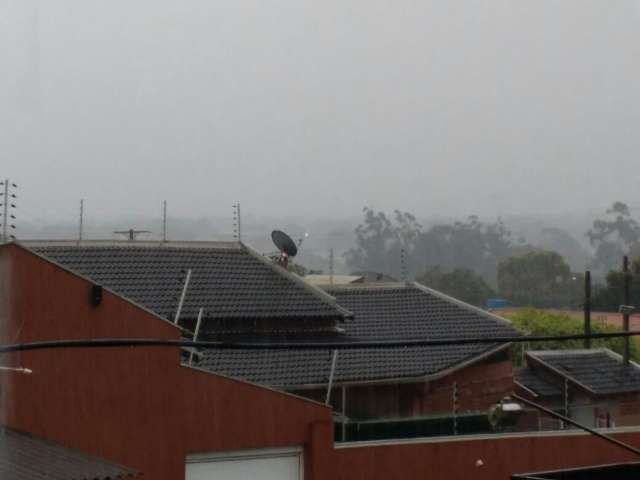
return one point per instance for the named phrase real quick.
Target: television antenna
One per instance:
(131, 233)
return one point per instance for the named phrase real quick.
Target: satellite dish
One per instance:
(284, 243)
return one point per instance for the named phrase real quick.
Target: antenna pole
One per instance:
(81, 220)
(403, 265)
(7, 197)
(5, 203)
(184, 293)
(587, 308)
(627, 301)
(237, 222)
(334, 358)
(195, 334)
(164, 221)
(331, 267)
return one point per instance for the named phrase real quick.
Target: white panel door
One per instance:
(277, 464)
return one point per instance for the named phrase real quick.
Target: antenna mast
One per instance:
(81, 220)
(331, 267)
(7, 196)
(237, 222)
(164, 221)
(403, 265)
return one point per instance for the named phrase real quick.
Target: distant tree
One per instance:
(558, 240)
(539, 322)
(469, 245)
(463, 284)
(380, 241)
(610, 296)
(613, 236)
(539, 278)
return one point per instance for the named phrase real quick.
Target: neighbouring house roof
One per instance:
(23, 457)
(382, 312)
(599, 371)
(333, 279)
(228, 280)
(526, 378)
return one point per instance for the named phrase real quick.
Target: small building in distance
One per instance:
(593, 386)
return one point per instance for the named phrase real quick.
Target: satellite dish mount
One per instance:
(285, 245)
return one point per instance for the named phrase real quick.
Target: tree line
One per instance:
(474, 260)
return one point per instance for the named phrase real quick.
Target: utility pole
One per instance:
(164, 221)
(7, 196)
(331, 267)
(627, 308)
(81, 220)
(237, 222)
(587, 308)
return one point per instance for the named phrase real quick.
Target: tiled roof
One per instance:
(385, 312)
(228, 280)
(529, 380)
(23, 457)
(600, 371)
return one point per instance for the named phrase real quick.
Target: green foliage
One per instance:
(539, 322)
(460, 283)
(539, 278)
(610, 296)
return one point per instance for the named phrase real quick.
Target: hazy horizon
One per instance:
(301, 109)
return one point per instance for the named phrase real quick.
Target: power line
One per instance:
(157, 342)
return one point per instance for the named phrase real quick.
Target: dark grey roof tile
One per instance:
(228, 282)
(382, 313)
(23, 457)
(599, 370)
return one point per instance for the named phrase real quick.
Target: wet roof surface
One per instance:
(396, 312)
(23, 457)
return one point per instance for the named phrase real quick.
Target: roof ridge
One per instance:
(318, 292)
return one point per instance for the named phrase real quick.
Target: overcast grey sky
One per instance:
(319, 107)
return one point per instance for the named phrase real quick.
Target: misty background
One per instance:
(305, 112)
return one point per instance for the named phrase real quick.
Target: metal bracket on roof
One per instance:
(184, 294)
(195, 334)
(333, 371)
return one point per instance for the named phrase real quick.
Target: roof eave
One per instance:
(416, 379)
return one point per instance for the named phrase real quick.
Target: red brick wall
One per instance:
(139, 407)
(135, 406)
(456, 459)
(479, 386)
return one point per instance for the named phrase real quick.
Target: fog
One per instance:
(315, 109)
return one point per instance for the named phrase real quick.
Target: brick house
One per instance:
(246, 297)
(593, 386)
(147, 409)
